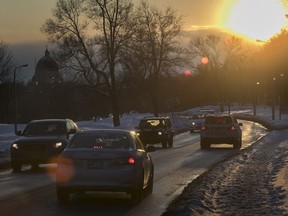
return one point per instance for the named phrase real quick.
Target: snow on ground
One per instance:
(252, 182)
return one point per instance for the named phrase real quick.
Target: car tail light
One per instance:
(123, 161)
(204, 128)
(232, 128)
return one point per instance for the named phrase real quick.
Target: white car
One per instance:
(218, 129)
(105, 160)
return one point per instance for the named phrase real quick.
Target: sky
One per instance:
(20, 21)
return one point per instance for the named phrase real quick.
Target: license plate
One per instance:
(218, 132)
(95, 164)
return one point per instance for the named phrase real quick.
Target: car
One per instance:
(153, 130)
(41, 141)
(197, 120)
(111, 160)
(219, 129)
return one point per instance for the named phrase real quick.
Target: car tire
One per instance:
(204, 144)
(170, 142)
(149, 188)
(35, 166)
(16, 166)
(138, 193)
(62, 195)
(164, 143)
(237, 144)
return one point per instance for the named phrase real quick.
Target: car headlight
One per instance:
(137, 133)
(58, 145)
(193, 123)
(15, 146)
(159, 133)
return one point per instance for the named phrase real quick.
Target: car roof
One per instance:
(107, 131)
(49, 120)
(153, 117)
(219, 115)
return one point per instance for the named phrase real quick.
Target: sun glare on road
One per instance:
(255, 19)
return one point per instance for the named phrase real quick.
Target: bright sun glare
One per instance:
(255, 19)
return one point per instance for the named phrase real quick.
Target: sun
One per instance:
(254, 19)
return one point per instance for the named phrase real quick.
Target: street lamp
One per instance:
(256, 98)
(273, 99)
(15, 96)
(281, 96)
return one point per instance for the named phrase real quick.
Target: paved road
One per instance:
(174, 169)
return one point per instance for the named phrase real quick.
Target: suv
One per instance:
(152, 130)
(41, 141)
(221, 129)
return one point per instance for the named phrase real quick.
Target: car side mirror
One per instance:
(72, 131)
(150, 148)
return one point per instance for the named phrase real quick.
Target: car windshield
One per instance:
(100, 141)
(151, 123)
(218, 120)
(45, 128)
(199, 116)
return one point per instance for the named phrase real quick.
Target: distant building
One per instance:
(44, 91)
(46, 72)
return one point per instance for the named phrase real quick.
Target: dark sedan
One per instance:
(41, 141)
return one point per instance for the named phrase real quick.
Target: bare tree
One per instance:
(114, 19)
(154, 50)
(89, 35)
(6, 63)
(226, 56)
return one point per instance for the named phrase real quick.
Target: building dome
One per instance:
(47, 70)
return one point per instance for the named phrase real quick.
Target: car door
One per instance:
(146, 159)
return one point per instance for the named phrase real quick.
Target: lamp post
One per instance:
(15, 95)
(281, 96)
(273, 99)
(256, 98)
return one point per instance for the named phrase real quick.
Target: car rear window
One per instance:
(218, 120)
(100, 141)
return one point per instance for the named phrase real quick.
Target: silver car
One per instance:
(105, 160)
(219, 129)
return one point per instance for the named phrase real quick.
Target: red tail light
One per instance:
(131, 160)
(203, 128)
(232, 128)
(123, 161)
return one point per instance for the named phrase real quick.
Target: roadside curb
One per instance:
(270, 125)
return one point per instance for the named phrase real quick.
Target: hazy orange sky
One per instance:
(21, 20)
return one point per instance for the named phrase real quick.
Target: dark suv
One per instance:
(41, 141)
(153, 130)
